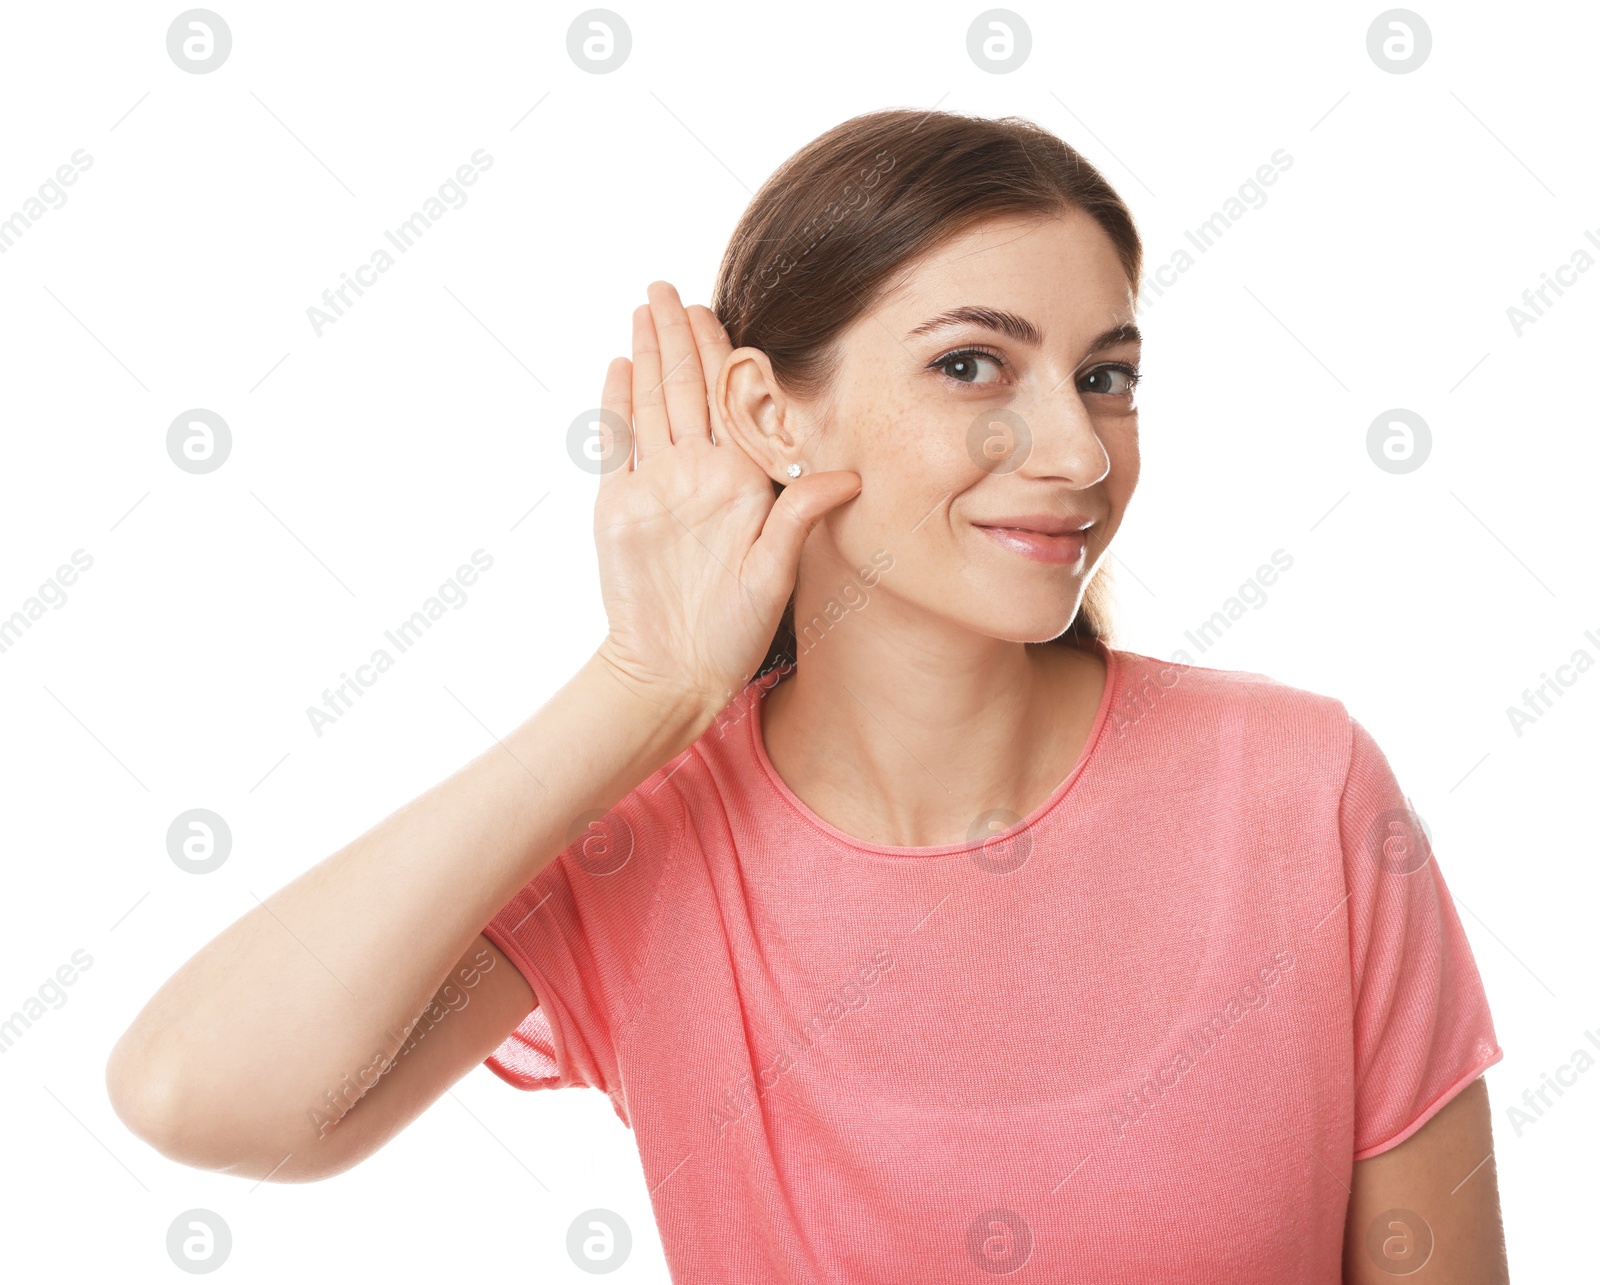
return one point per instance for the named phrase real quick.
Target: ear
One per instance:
(752, 410)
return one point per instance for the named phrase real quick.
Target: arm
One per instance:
(314, 991)
(225, 1064)
(1445, 1175)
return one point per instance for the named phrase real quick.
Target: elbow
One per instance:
(162, 1106)
(156, 1098)
(146, 1097)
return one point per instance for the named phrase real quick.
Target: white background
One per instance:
(369, 462)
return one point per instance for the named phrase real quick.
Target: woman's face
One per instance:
(987, 403)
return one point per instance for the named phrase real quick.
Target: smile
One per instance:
(1041, 546)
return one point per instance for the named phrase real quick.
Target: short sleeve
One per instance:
(1423, 1031)
(581, 931)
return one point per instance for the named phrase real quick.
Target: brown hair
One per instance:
(839, 222)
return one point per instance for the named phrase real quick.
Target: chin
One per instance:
(1027, 627)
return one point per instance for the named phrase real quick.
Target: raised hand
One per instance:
(696, 558)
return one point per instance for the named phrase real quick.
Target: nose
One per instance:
(1051, 439)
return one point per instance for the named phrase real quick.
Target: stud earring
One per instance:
(793, 470)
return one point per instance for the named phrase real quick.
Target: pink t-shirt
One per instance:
(1140, 1036)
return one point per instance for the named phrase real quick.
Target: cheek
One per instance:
(1122, 449)
(900, 454)
(915, 456)
(910, 447)
(908, 469)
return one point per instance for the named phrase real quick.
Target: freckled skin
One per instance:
(904, 429)
(933, 654)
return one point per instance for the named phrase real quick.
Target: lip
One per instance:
(1041, 537)
(1061, 549)
(1043, 523)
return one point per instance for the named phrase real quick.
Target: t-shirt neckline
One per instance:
(759, 747)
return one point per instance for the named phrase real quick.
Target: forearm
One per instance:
(297, 993)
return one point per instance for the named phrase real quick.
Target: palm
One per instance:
(681, 589)
(696, 559)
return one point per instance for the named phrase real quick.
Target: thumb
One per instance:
(804, 503)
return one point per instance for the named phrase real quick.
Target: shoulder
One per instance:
(1174, 703)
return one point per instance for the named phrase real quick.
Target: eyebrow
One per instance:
(1018, 328)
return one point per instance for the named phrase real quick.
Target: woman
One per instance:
(918, 933)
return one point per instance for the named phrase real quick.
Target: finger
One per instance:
(775, 556)
(711, 338)
(682, 379)
(649, 405)
(616, 397)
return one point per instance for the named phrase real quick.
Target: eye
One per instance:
(964, 364)
(1112, 381)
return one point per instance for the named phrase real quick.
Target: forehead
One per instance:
(1058, 268)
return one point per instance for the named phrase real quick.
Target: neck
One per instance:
(903, 731)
